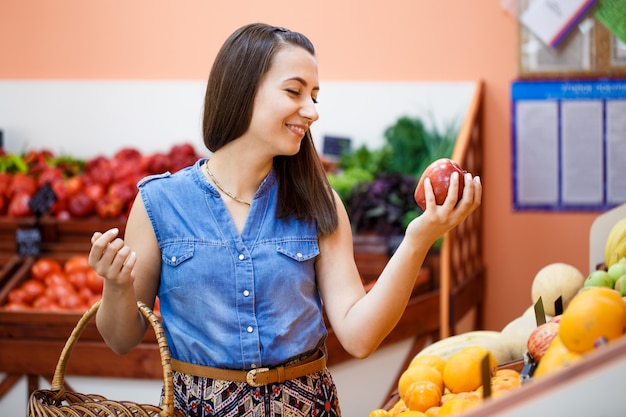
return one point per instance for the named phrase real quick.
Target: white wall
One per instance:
(87, 118)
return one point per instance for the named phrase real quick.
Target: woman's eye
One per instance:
(297, 93)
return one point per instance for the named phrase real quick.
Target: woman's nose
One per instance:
(309, 111)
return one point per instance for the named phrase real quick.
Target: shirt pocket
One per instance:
(299, 250)
(175, 254)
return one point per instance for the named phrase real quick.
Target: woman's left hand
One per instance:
(438, 219)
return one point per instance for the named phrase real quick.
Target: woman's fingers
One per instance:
(110, 256)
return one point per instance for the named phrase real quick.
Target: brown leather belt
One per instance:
(256, 377)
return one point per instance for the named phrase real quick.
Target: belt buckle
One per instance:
(251, 376)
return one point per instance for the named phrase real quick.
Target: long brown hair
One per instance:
(304, 191)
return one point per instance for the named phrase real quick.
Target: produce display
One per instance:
(581, 315)
(615, 248)
(100, 186)
(54, 285)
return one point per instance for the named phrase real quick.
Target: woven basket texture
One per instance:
(56, 402)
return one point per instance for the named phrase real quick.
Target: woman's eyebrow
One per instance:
(302, 81)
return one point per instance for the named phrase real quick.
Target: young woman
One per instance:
(245, 248)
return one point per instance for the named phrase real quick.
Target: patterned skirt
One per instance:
(313, 395)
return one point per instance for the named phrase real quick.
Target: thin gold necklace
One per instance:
(222, 189)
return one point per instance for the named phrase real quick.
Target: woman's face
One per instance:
(284, 106)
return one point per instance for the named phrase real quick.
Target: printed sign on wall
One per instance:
(569, 144)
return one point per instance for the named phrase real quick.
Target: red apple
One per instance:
(540, 338)
(439, 173)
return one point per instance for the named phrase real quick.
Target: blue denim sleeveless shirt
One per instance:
(231, 300)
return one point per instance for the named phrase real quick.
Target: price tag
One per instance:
(28, 241)
(485, 370)
(42, 200)
(558, 306)
(540, 314)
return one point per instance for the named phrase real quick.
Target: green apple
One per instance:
(617, 270)
(598, 278)
(620, 285)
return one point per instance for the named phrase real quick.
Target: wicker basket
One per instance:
(56, 402)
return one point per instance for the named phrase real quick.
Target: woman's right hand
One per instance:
(111, 258)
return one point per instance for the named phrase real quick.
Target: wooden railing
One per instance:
(462, 274)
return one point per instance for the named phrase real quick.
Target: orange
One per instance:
(556, 357)
(411, 413)
(472, 395)
(433, 360)
(421, 395)
(507, 372)
(379, 412)
(462, 372)
(504, 383)
(447, 396)
(457, 406)
(397, 408)
(593, 314)
(479, 353)
(419, 373)
(432, 411)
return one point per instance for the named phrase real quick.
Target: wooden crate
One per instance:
(33, 340)
(72, 235)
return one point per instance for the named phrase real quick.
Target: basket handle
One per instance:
(168, 386)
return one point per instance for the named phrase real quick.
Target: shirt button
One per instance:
(249, 329)
(246, 293)
(241, 257)
(173, 259)
(299, 255)
(253, 365)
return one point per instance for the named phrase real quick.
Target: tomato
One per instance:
(43, 303)
(43, 267)
(56, 278)
(33, 288)
(71, 301)
(17, 295)
(94, 281)
(58, 292)
(16, 307)
(76, 263)
(85, 294)
(78, 279)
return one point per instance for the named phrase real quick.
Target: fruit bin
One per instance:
(590, 387)
(32, 340)
(71, 235)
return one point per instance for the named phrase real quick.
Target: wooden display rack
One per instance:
(450, 284)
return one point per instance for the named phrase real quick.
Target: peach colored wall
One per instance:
(392, 40)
